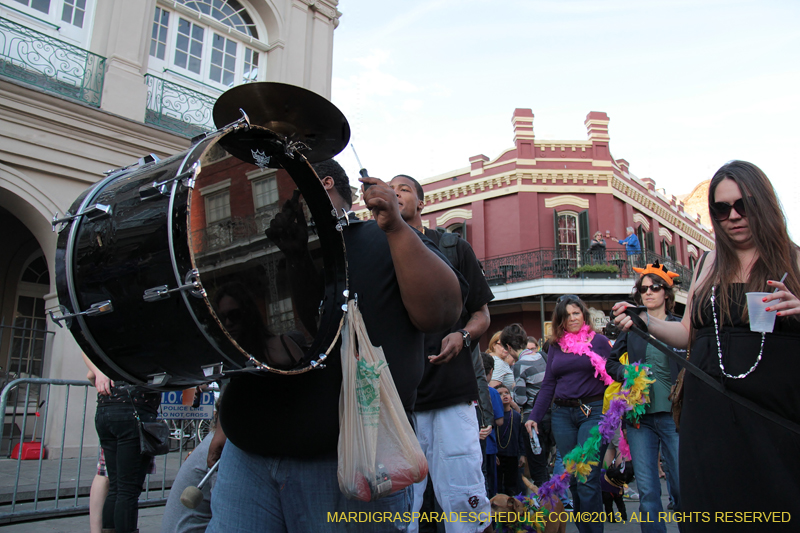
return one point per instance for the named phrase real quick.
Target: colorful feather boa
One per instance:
(580, 343)
(630, 402)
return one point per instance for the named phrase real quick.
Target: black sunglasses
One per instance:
(721, 211)
(234, 315)
(655, 287)
(568, 297)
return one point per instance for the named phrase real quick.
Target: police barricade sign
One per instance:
(172, 407)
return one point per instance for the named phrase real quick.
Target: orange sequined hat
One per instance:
(659, 270)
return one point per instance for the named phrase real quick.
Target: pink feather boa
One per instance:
(580, 343)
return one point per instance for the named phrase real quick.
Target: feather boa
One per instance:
(629, 403)
(580, 343)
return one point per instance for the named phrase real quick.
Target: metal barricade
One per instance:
(51, 472)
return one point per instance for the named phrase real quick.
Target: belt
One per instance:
(578, 401)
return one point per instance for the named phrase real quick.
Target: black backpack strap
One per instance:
(447, 244)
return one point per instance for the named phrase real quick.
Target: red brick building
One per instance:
(530, 212)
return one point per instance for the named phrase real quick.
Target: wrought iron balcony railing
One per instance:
(178, 108)
(50, 64)
(234, 231)
(538, 264)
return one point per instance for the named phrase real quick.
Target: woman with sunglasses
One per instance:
(575, 379)
(656, 427)
(731, 458)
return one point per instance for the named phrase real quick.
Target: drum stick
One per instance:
(192, 496)
(363, 172)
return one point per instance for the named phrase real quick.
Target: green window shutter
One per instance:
(651, 246)
(672, 254)
(583, 227)
(555, 228)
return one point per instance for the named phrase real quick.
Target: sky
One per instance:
(687, 85)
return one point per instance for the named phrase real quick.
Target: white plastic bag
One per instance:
(378, 451)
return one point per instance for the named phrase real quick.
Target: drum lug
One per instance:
(343, 220)
(158, 380)
(99, 308)
(159, 188)
(213, 371)
(93, 212)
(143, 161)
(191, 284)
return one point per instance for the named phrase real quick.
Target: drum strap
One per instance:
(717, 386)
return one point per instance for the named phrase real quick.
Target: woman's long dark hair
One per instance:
(669, 293)
(776, 251)
(559, 319)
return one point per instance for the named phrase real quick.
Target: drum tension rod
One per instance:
(153, 190)
(93, 212)
(99, 308)
(191, 284)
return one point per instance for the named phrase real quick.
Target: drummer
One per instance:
(280, 465)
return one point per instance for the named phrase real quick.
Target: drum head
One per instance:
(269, 252)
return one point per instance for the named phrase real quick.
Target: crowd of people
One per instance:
(427, 306)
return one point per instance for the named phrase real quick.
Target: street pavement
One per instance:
(150, 521)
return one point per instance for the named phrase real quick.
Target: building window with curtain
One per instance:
(218, 207)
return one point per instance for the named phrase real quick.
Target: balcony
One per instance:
(50, 64)
(177, 108)
(540, 264)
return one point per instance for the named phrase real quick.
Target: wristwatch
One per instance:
(466, 336)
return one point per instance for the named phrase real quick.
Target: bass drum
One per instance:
(176, 271)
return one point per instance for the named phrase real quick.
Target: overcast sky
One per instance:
(688, 85)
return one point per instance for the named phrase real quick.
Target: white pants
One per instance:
(449, 439)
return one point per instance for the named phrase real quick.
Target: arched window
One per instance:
(214, 42)
(460, 229)
(26, 354)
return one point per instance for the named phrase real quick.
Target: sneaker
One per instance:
(630, 495)
(568, 507)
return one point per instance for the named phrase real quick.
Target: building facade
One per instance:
(530, 213)
(92, 85)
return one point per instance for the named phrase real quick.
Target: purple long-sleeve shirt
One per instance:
(569, 376)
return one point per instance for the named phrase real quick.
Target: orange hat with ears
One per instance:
(659, 270)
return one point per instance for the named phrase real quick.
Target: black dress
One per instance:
(733, 460)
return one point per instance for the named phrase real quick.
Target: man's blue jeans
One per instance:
(657, 429)
(571, 428)
(282, 494)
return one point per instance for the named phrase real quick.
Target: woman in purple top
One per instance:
(575, 380)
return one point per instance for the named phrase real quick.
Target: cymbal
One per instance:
(295, 113)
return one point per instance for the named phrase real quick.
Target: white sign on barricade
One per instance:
(172, 407)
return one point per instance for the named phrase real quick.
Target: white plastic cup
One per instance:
(761, 320)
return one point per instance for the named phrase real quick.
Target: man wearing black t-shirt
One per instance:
(278, 468)
(447, 426)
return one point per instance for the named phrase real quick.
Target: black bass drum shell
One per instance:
(201, 217)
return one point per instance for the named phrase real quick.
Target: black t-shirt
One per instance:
(454, 382)
(270, 414)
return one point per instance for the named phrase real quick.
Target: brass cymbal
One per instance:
(295, 113)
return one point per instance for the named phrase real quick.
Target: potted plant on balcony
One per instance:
(597, 271)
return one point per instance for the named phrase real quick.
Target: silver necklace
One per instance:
(719, 345)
